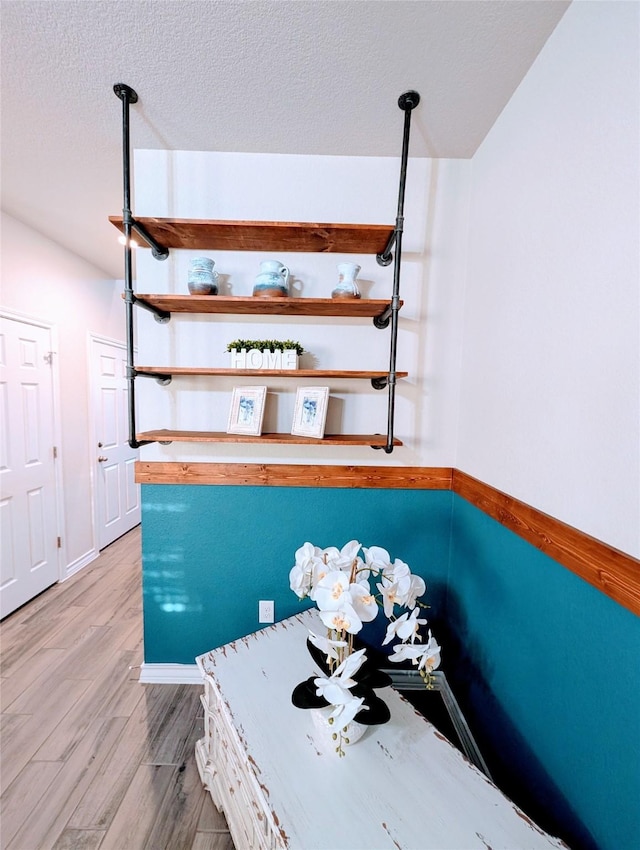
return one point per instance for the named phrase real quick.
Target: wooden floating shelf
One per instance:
(267, 373)
(200, 234)
(250, 305)
(169, 436)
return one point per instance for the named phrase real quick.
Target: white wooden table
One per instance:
(403, 786)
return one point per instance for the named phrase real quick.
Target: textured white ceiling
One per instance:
(271, 76)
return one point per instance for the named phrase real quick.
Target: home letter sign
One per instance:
(256, 359)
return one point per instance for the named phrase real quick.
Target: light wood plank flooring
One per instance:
(90, 758)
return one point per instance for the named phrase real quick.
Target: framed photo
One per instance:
(310, 412)
(247, 410)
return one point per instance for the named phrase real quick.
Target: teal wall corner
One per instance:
(546, 670)
(209, 553)
(544, 666)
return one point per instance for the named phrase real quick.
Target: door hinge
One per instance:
(55, 452)
(48, 357)
(59, 542)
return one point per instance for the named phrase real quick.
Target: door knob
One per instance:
(102, 458)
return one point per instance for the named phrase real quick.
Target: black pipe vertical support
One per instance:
(407, 102)
(128, 96)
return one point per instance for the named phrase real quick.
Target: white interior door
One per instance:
(28, 535)
(117, 494)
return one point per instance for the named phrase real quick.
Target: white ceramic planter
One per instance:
(330, 736)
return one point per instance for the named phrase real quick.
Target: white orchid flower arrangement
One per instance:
(339, 581)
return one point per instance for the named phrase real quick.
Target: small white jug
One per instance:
(347, 286)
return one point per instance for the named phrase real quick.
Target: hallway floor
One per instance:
(90, 758)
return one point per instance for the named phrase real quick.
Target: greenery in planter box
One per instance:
(265, 344)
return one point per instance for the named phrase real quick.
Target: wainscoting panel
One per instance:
(545, 668)
(614, 573)
(210, 553)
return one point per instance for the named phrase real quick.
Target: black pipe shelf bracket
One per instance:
(379, 383)
(160, 316)
(391, 254)
(162, 379)
(382, 321)
(157, 250)
(386, 257)
(128, 96)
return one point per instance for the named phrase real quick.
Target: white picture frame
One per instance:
(247, 410)
(310, 413)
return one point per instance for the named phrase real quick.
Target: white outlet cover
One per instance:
(266, 611)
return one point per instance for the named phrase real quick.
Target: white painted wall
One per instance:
(317, 189)
(550, 381)
(43, 280)
(535, 242)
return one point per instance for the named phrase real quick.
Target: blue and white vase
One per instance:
(203, 279)
(273, 280)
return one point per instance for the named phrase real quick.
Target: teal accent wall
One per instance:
(547, 671)
(210, 553)
(545, 667)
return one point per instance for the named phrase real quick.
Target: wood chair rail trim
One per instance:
(611, 571)
(295, 475)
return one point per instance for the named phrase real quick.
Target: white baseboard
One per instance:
(170, 674)
(83, 561)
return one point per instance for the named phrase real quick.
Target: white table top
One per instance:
(403, 786)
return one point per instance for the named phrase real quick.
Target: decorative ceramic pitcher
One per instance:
(202, 280)
(347, 287)
(273, 280)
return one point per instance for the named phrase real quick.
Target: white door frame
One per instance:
(37, 322)
(93, 401)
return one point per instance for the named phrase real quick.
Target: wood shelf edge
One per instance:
(175, 436)
(221, 235)
(195, 371)
(363, 308)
